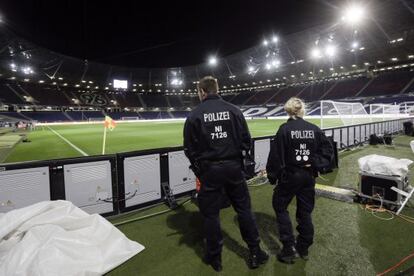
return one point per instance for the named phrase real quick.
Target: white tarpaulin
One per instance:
(378, 164)
(57, 238)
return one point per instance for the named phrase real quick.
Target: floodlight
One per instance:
(353, 14)
(330, 51)
(275, 63)
(354, 45)
(316, 53)
(265, 42)
(268, 66)
(212, 61)
(27, 70)
(176, 82)
(275, 39)
(13, 67)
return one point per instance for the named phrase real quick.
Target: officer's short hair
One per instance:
(209, 85)
(295, 107)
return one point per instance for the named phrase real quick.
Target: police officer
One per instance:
(298, 152)
(216, 138)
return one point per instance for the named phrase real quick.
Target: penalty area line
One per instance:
(68, 142)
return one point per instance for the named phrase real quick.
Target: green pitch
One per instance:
(62, 141)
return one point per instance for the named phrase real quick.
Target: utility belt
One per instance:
(307, 168)
(221, 161)
(201, 166)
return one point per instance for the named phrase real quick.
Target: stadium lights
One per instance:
(354, 45)
(212, 61)
(353, 15)
(316, 53)
(275, 63)
(268, 66)
(27, 70)
(176, 82)
(265, 42)
(330, 51)
(275, 39)
(13, 67)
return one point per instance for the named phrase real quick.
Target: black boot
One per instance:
(257, 257)
(287, 255)
(303, 253)
(215, 262)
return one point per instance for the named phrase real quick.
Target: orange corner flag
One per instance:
(109, 123)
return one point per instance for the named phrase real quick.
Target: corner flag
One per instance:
(108, 124)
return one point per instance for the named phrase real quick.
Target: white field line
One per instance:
(69, 143)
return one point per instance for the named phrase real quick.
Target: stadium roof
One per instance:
(386, 33)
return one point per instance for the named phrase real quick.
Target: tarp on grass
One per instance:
(57, 238)
(384, 165)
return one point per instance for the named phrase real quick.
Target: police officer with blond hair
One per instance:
(298, 152)
(216, 140)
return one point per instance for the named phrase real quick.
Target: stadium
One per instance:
(93, 102)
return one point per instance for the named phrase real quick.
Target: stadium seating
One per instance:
(127, 99)
(388, 83)
(155, 100)
(46, 116)
(315, 91)
(45, 95)
(262, 96)
(346, 88)
(9, 94)
(228, 97)
(287, 92)
(16, 115)
(242, 97)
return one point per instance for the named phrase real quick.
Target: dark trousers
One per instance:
(300, 183)
(216, 177)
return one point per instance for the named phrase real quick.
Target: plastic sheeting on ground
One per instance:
(384, 165)
(57, 238)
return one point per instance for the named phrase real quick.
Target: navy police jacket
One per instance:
(215, 130)
(299, 144)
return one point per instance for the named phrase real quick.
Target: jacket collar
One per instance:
(212, 97)
(297, 118)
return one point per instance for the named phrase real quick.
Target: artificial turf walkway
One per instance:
(348, 239)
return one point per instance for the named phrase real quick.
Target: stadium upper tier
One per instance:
(283, 60)
(35, 96)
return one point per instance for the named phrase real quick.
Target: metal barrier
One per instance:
(112, 184)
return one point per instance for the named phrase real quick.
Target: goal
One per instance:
(335, 114)
(384, 112)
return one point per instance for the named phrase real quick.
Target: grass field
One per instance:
(348, 239)
(48, 142)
